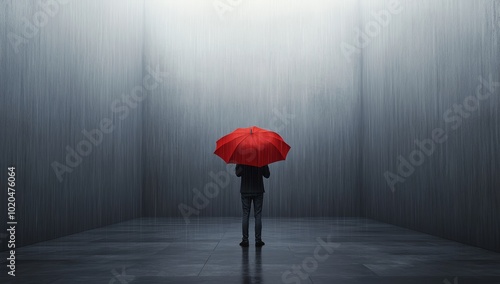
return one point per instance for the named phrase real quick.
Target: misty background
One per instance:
(280, 65)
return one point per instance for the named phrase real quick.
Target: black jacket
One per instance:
(251, 178)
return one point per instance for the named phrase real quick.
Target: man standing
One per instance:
(252, 189)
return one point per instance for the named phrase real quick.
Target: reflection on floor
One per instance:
(305, 250)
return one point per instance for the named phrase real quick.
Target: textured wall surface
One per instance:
(62, 79)
(174, 76)
(416, 74)
(274, 64)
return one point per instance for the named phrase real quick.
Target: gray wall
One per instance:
(62, 80)
(276, 64)
(262, 60)
(428, 59)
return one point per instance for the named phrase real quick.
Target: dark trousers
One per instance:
(246, 202)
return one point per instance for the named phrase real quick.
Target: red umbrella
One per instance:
(252, 146)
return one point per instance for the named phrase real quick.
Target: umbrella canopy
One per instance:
(252, 146)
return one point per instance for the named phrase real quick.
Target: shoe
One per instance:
(244, 243)
(259, 243)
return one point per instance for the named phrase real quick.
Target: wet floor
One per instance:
(302, 250)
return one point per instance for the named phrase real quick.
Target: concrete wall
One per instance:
(274, 64)
(417, 74)
(60, 79)
(350, 87)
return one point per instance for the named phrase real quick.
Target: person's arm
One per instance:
(238, 170)
(265, 171)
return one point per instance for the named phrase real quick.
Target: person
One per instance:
(252, 190)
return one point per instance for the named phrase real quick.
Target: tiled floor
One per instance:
(305, 250)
